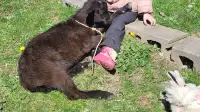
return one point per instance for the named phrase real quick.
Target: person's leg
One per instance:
(116, 31)
(113, 37)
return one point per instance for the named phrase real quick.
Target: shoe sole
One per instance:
(104, 65)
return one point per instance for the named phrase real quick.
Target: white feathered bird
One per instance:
(181, 96)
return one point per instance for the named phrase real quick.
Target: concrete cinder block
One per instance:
(164, 36)
(75, 3)
(187, 53)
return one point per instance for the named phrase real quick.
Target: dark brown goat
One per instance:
(47, 60)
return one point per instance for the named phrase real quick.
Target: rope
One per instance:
(94, 29)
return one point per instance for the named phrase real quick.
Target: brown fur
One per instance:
(49, 57)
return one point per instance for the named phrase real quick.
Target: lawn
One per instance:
(140, 70)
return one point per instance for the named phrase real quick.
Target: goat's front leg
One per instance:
(95, 40)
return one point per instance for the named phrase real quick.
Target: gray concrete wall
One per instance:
(76, 3)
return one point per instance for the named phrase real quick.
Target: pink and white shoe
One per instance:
(104, 58)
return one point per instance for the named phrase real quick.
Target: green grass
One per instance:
(179, 14)
(140, 74)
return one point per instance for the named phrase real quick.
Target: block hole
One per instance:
(168, 49)
(68, 5)
(171, 59)
(138, 37)
(186, 61)
(151, 42)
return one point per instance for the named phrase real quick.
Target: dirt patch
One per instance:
(55, 19)
(145, 100)
(196, 34)
(137, 77)
(113, 83)
(8, 69)
(161, 62)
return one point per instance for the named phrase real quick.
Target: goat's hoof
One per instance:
(106, 95)
(98, 94)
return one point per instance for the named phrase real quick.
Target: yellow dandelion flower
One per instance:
(22, 48)
(132, 34)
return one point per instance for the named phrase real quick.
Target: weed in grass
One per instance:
(132, 55)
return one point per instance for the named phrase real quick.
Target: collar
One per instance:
(92, 28)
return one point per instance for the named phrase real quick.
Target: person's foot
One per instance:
(105, 58)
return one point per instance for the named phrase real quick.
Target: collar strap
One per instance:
(92, 28)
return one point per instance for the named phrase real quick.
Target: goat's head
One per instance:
(95, 11)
